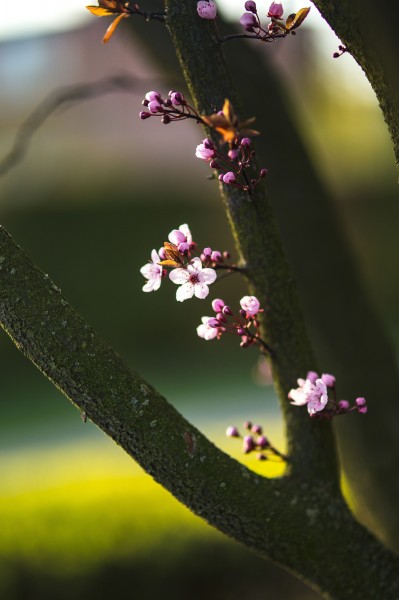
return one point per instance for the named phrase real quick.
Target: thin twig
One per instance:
(63, 97)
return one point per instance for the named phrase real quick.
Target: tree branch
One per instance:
(375, 49)
(310, 443)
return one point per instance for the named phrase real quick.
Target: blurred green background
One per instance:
(96, 192)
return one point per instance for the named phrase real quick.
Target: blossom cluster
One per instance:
(191, 272)
(318, 394)
(255, 441)
(233, 165)
(245, 324)
(173, 108)
(250, 20)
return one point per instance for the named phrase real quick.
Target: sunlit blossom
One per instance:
(193, 280)
(153, 272)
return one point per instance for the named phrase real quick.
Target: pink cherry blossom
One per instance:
(314, 395)
(205, 331)
(250, 304)
(193, 280)
(207, 9)
(153, 272)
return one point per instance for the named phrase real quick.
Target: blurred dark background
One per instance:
(97, 190)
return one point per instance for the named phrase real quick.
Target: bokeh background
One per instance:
(95, 192)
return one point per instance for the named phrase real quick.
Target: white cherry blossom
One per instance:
(193, 280)
(153, 272)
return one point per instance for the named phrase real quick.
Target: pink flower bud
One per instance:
(162, 254)
(312, 376)
(275, 10)
(154, 106)
(256, 429)
(247, 424)
(248, 21)
(216, 256)
(245, 142)
(233, 154)
(250, 5)
(362, 410)
(232, 432)
(144, 115)
(207, 9)
(217, 305)
(227, 311)
(360, 401)
(151, 96)
(343, 405)
(177, 98)
(248, 444)
(328, 380)
(213, 322)
(263, 173)
(229, 177)
(207, 252)
(262, 442)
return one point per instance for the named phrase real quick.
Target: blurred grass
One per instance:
(82, 520)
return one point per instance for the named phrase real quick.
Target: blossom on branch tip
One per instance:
(232, 431)
(193, 280)
(313, 392)
(251, 305)
(250, 5)
(153, 272)
(228, 177)
(207, 9)
(249, 21)
(276, 10)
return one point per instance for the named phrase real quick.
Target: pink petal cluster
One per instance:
(313, 394)
(251, 305)
(153, 272)
(193, 280)
(207, 9)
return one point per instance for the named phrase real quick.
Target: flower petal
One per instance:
(201, 290)
(179, 276)
(209, 275)
(184, 292)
